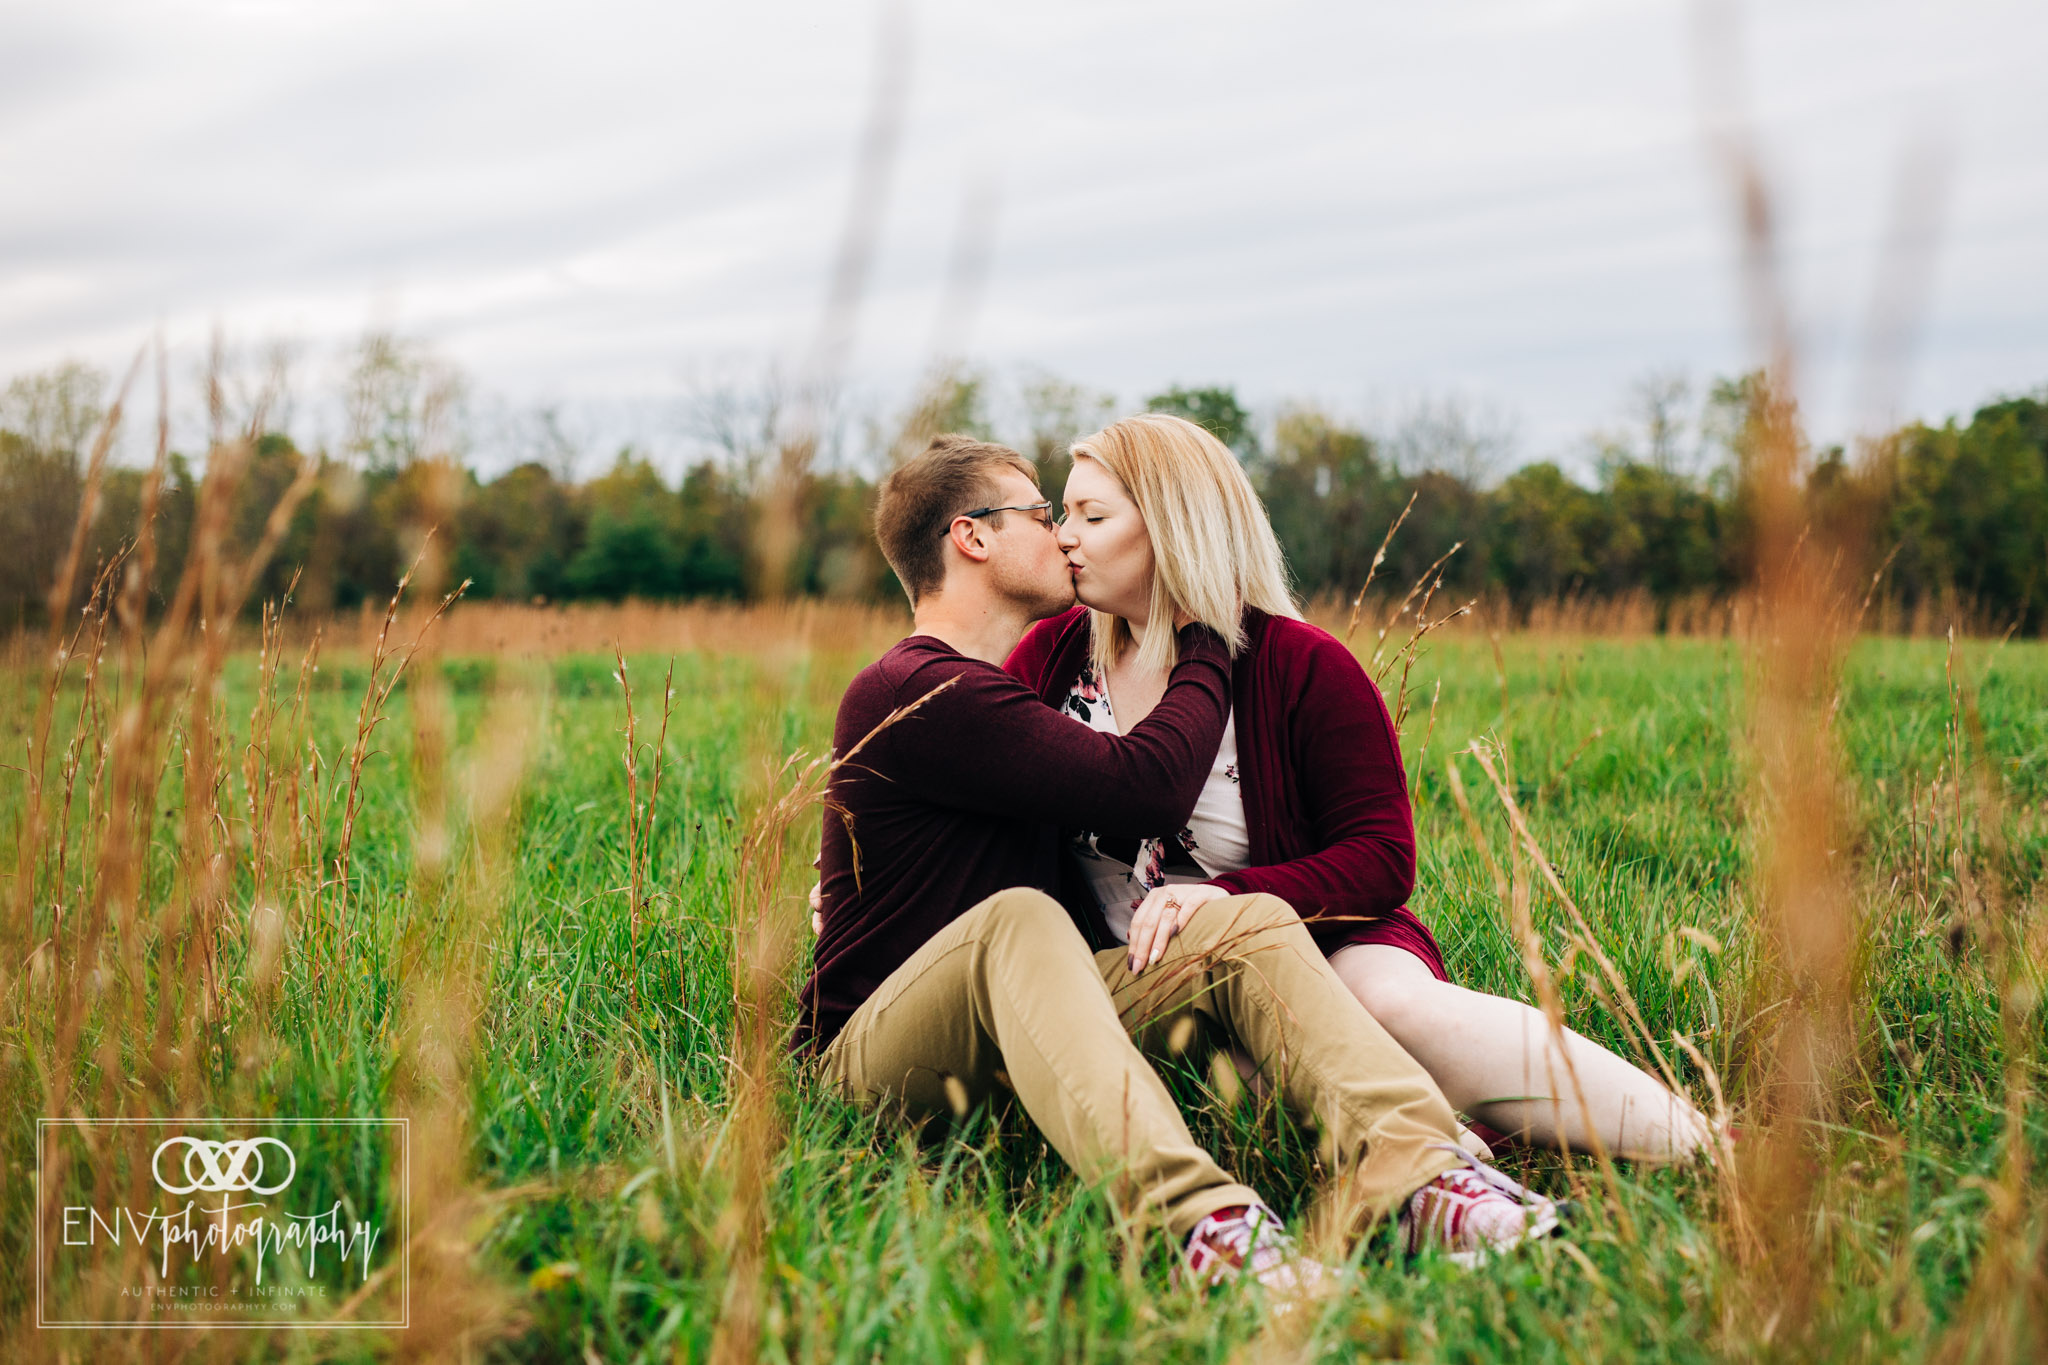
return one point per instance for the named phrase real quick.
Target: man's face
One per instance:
(1025, 563)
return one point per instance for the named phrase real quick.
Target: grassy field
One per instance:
(586, 1189)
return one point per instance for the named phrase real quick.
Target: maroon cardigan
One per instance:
(1325, 796)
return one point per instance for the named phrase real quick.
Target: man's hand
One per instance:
(1161, 915)
(817, 909)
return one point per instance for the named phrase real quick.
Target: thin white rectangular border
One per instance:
(404, 1217)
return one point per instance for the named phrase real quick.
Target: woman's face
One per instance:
(1106, 544)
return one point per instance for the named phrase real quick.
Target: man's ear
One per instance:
(968, 539)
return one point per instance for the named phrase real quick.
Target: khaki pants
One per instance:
(1008, 995)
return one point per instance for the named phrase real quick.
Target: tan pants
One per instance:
(1008, 995)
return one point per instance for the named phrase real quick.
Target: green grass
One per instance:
(597, 1088)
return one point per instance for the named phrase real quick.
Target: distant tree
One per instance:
(1542, 527)
(630, 548)
(55, 411)
(712, 552)
(518, 532)
(1056, 414)
(402, 403)
(952, 399)
(627, 554)
(272, 466)
(1732, 428)
(46, 420)
(1215, 409)
(1662, 532)
(1661, 401)
(1967, 508)
(1329, 499)
(1467, 440)
(1449, 511)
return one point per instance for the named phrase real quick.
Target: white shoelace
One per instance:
(1500, 1183)
(1541, 1215)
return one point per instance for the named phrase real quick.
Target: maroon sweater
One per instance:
(1325, 797)
(963, 799)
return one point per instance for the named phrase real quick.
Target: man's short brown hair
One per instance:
(953, 474)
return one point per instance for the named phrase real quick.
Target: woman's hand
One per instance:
(1161, 915)
(817, 910)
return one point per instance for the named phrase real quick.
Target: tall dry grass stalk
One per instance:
(640, 815)
(135, 852)
(768, 920)
(449, 929)
(122, 1006)
(2004, 1316)
(1804, 618)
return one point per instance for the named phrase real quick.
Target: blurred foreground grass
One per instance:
(595, 1095)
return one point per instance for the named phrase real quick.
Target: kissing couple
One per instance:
(1153, 813)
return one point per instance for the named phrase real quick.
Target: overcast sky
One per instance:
(1359, 204)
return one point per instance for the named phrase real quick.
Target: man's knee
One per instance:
(1024, 919)
(1243, 922)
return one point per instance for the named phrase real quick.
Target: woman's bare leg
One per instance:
(1497, 1060)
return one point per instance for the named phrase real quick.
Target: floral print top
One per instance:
(1124, 870)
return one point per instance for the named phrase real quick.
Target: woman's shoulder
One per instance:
(1289, 639)
(1307, 658)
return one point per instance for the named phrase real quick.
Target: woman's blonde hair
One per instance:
(1213, 550)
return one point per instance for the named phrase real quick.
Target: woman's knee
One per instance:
(1389, 991)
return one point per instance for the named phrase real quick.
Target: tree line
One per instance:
(1959, 511)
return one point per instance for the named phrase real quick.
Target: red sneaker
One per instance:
(1248, 1239)
(1473, 1211)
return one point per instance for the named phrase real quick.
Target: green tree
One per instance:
(46, 419)
(1329, 498)
(1967, 508)
(712, 560)
(518, 532)
(1542, 527)
(1661, 531)
(630, 548)
(1216, 410)
(1056, 414)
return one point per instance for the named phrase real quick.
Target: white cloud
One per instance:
(1327, 200)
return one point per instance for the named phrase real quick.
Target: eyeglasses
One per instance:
(1046, 521)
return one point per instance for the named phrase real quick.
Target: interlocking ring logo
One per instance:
(223, 1167)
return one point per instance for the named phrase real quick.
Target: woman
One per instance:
(1307, 800)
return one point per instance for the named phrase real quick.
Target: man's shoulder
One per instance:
(911, 668)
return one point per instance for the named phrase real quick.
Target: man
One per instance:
(945, 973)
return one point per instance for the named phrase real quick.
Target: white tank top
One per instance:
(1123, 870)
